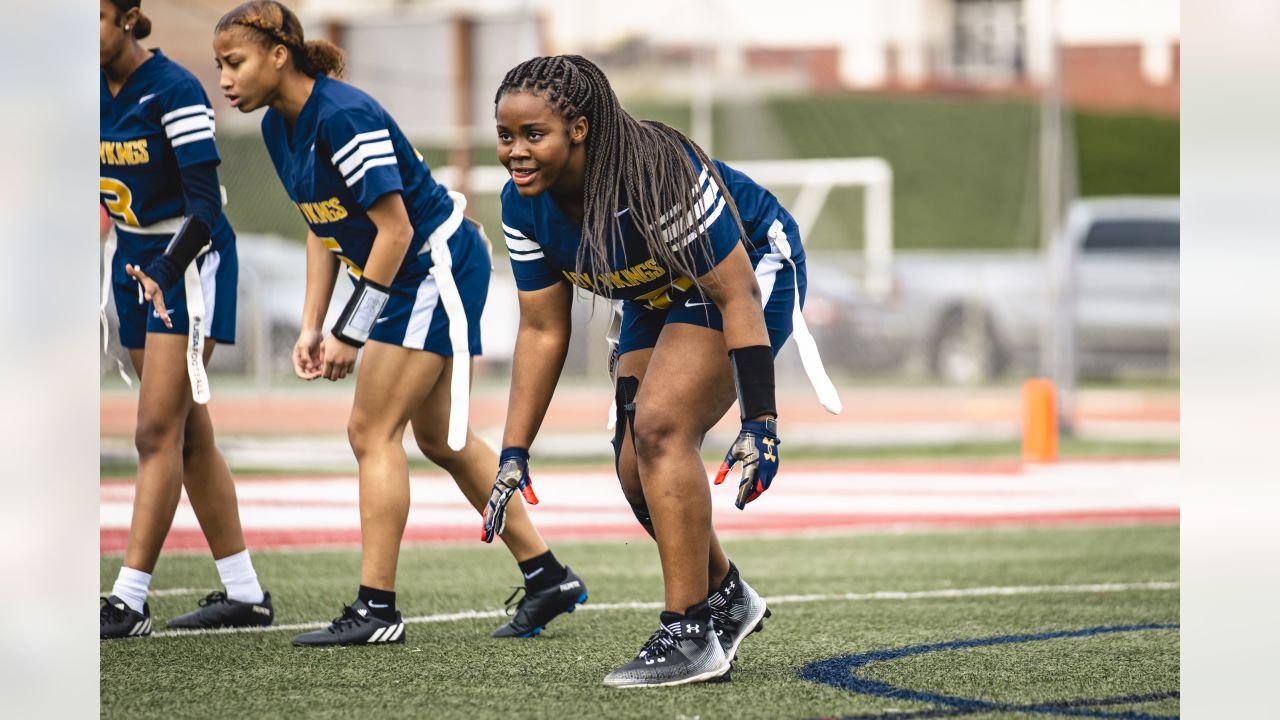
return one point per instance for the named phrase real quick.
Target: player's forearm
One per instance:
(743, 321)
(322, 272)
(389, 247)
(539, 358)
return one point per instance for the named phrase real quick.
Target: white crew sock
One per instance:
(239, 578)
(131, 587)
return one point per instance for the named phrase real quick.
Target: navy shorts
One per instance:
(219, 272)
(414, 316)
(641, 325)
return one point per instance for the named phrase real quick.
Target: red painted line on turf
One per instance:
(113, 540)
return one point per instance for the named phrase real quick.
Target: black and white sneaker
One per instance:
(535, 610)
(738, 610)
(118, 620)
(219, 611)
(683, 650)
(356, 626)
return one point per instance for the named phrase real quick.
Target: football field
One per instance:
(905, 594)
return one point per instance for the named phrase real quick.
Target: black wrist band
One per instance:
(362, 311)
(753, 379)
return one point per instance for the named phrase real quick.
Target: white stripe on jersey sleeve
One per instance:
(188, 124)
(364, 152)
(698, 187)
(370, 164)
(513, 232)
(192, 137)
(526, 257)
(185, 111)
(357, 140)
(702, 226)
(517, 242)
(706, 206)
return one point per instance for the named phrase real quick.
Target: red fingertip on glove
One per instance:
(527, 492)
(724, 472)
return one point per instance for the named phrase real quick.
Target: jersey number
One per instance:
(117, 199)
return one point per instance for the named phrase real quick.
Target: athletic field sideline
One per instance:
(279, 511)
(985, 623)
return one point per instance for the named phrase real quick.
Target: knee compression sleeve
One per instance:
(625, 399)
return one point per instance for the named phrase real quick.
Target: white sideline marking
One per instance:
(774, 600)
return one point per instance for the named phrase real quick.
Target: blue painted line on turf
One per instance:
(840, 673)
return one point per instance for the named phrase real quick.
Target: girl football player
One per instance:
(421, 275)
(172, 266)
(710, 271)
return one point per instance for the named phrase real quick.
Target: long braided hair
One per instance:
(640, 162)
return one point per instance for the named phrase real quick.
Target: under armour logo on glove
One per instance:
(513, 474)
(757, 449)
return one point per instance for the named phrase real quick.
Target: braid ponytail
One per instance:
(643, 163)
(276, 24)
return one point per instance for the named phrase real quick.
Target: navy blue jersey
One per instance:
(343, 153)
(159, 122)
(543, 244)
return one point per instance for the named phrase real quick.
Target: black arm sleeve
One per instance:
(183, 249)
(753, 379)
(202, 192)
(203, 198)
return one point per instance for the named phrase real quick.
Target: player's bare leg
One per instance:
(208, 481)
(549, 587)
(672, 417)
(391, 384)
(164, 402)
(212, 492)
(472, 467)
(634, 364)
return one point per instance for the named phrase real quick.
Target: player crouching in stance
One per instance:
(709, 268)
(421, 275)
(170, 248)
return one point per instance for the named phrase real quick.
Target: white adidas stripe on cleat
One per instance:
(387, 634)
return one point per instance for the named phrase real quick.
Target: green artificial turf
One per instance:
(453, 669)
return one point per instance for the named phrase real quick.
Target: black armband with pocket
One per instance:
(753, 379)
(186, 244)
(362, 311)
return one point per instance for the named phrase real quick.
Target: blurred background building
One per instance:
(1030, 146)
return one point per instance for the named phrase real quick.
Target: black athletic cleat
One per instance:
(535, 610)
(118, 620)
(219, 611)
(738, 610)
(356, 626)
(681, 651)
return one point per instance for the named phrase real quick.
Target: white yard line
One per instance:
(775, 600)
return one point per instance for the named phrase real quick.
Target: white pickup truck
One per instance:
(966, 317)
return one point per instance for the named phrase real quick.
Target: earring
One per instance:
(128, 28)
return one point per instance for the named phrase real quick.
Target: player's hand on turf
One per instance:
(757, 449)
(308, 355)
(150, 292)
(337, 359)
(513, 474)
